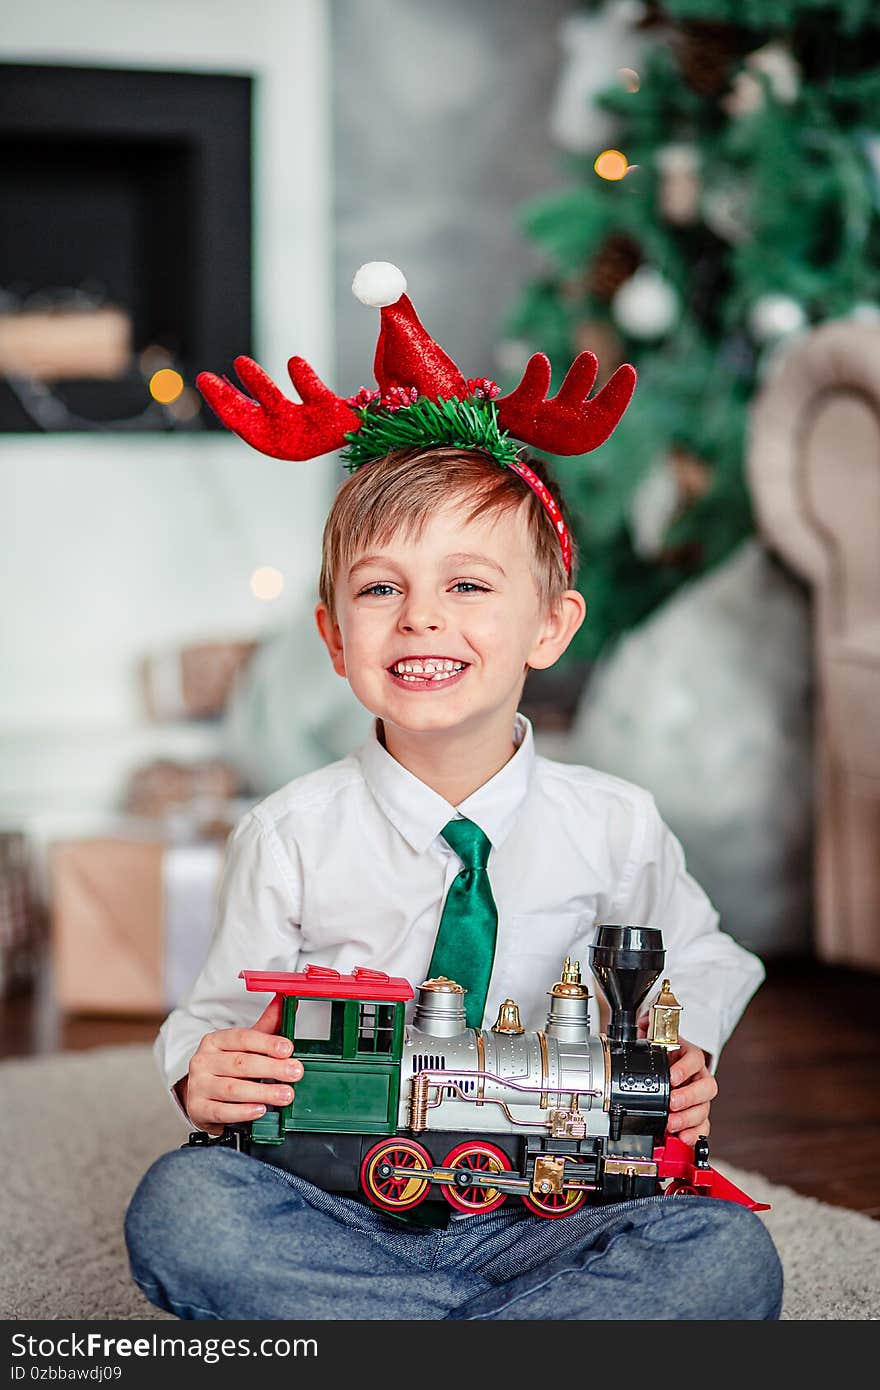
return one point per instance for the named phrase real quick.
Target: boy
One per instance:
(443, 582)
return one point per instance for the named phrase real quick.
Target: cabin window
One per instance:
(319, 1028)
(376, 1029)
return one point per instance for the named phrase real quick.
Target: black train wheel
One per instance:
(396, 1193)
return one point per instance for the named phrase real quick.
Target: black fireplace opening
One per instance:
(125, 244)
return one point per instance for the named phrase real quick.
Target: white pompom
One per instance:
(379, 283)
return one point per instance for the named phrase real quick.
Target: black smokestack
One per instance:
(626, 961)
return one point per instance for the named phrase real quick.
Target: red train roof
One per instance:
(320, 982)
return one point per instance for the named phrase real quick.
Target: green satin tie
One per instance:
(465, 945)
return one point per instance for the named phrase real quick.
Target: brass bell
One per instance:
(508, 1020)
(665, 1013)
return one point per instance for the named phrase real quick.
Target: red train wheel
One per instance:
(384, 1190)
(679, 1188)
(555, 1203)
(475, 1156)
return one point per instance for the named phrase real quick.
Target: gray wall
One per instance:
(441, 133)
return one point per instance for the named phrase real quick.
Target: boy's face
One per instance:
(435, 634)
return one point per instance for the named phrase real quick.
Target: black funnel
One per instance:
(626, 961)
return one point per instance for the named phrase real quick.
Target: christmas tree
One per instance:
(730, 202)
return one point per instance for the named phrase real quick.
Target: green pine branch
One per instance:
(461, 424)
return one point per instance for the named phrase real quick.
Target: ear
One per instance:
(558, 628)
(331, 636)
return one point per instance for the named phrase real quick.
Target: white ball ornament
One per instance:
(646, 305)
(775, 316)
(378, 283)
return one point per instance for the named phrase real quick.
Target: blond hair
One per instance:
(398, 493)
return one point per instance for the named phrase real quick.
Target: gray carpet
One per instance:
(79, 1129)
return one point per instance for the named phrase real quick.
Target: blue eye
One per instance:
(383, 590)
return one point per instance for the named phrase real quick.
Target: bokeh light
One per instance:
(153, 357)
(629, 79)
(267, 583)
(611, 164)
(166, 385)
(187, 405)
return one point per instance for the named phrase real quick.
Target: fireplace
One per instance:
(125, 244)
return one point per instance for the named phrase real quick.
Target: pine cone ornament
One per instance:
(598, 336)
(618, 256)
(706, 51)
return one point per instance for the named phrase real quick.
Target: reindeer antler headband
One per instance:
(422, 398)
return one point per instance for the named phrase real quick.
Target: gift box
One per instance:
(131, 921)
(192, 682)
(22, 919)
(197, 796)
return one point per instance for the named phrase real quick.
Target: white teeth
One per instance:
(433, 669)
(430, 669)
(436, 676)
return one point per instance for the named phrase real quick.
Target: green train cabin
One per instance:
(351, 1082)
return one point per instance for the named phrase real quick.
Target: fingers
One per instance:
(692, 1118)
(251, 1065)
(255, 1039)
(237, 1072)
(270, 1019)
(704, 1088)
(688, 1116)
(245, 1052)
(692, 1134)
(232, 1091)
(209, 1113)
(689, 1103)
(228, 1087)
(689, 1061)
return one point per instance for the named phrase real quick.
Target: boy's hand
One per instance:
(693, 1089)
(224, 1085)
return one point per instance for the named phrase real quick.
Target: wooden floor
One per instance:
(799, 1085)
(799, 1099)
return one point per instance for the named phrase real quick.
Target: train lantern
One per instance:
(434, 1110)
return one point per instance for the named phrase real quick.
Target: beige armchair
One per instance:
(814, 471)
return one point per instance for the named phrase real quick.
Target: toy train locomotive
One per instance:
(435, 1110)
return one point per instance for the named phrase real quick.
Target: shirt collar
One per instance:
(419, 813)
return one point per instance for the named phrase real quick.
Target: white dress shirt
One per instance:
(345, 867)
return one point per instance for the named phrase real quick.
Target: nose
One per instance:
(420, 613)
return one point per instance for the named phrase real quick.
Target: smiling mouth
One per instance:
(428, 669)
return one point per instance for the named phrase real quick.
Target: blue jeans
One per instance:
(212, 1233)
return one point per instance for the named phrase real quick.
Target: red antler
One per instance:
(569, 423)
(272, 423)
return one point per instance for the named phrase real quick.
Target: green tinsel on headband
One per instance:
(470, 424)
